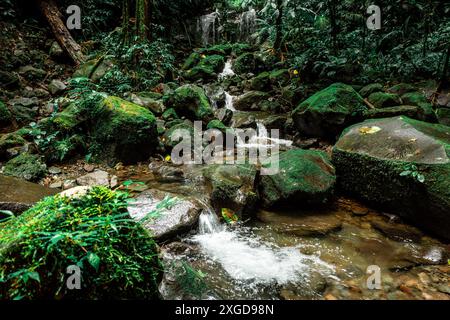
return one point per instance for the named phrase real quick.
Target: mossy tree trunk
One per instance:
(143, 20)
(136, 21)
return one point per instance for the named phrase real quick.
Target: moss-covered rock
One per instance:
(216, 62)
(384, 100)
(205, 73)
(303, 177)
(233, 187)
(190, 101)
(370, 88)
(261, 82)
(250, 100)
(8, 141)
(217, 124)
(26, 166)
(5, 114)
(245, 63)
(149, 100)
(401, 165)
(280, 78)
(191, 61)
(328, 112)
(413, 112)
(402, 88)
(443, 116)
(124, 131)
(169, 138)
(419, 99)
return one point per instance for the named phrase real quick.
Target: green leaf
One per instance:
(94, 260)
(421, 178)
(35, 276)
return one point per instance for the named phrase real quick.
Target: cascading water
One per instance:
(229, 102)
(247, 24)
(227, 70)
(208, 26)
(262, 139)
(250, 260)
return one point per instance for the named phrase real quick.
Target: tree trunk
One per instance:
(143, 19)
(332, 7)
(62, 35)
(279, 26)
(443, 83)
(126, 22)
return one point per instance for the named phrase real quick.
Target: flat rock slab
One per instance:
(18, 195)
(302, 225)
(176, 220)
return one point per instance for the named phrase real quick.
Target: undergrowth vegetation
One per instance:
(116, 256)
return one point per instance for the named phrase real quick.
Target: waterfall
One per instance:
(262, 139)
(229, 102)
(209, 223)
(247, 24)
(207, 25)
(227, 70)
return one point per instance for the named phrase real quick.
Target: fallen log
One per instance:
(51, 12)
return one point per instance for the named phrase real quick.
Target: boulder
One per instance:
(419, 99)
(250, 100)
(124, 131)
(56, 87)
(261, 82)
(443, 116)
(178, 219)
(190, 101)
(168, 137)
(302, 178)
(414, 112)
(328, 112)
(401, 88)
(400, 165)
(147, 100)
(26, 166)
(370, 88)
(9, 141)
(96, 178)
(384, 100)
(232, 187)
(17, 195)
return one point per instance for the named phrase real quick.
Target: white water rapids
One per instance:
(246, 257)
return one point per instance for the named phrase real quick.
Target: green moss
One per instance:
(168, 138)
(125, 131)
(217, 124)
(369, 89)
(302, 176)
(26, 166)
(191, 101)
(328, 112)
(384, 100)
(170, 114)
(261, 82)
(204, 73)
(191, 61)
(215, 62)
(10, 140)
(443, 116)
(5, 114)
(117, 257)
(418, 99)
(245, 63)
(280, 77)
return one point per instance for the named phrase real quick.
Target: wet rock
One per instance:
(17, 195)
(371, 88)
(56, 87)
(250, 100)
(401, 165)
(305, 225)
(178, 219)
(190, 101)
(96, 178)
(233, 187)
(397, 232)
(26, 166)
(170, 139)
(328, 112)
(299, 176)
(413, 112)
(224, 115)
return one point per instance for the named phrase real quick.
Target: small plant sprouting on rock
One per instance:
(412, 171)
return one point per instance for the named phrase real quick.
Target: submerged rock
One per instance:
(302, 177)
(328, 112)
(17, 195)
(176, 220)
(26, 166)
(233, 187)
(401, 165)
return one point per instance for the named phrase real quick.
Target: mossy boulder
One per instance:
(95, 69)
(124, 131)
(191, 101)
(301, 178)
(233, 187)
(280, 78)
(384, 100)
(216, 62)
(5, 114)
(170, 114)
(169, 138)
(419, 99)
(191, 61)
(205, 73)
(149, 100)
(8, 141)
(245, 63)
(400, 165)
(370, 88)
(217, 124)
(328, 112)
(26, 166)
(443, 116)
(250, 100)
(206, 68)
(413, 112)
(402, 88)
(261, 82)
